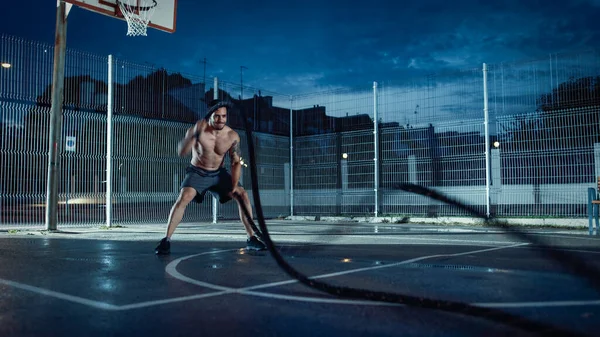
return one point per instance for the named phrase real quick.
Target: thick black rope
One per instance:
(566, 260)
(354, 293)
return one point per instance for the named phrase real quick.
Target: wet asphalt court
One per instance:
(94, 282)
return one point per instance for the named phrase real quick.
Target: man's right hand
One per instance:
(192, 134)
(195, 130)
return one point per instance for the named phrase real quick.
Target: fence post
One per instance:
(109, 143)
(376, 148)
(291, 156)
(596, 159)
(215, 209)
(339, 159)
(496, 180)
(487, 141)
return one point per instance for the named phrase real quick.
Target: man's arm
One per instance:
(185, 145)
(235, 153)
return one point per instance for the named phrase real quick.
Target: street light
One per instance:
(6, 65)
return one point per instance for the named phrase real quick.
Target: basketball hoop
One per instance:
(138, 14)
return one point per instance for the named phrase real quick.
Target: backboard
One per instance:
(163, 18)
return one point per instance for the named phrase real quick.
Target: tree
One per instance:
(574, 109)
(539, 148)
(150, 97)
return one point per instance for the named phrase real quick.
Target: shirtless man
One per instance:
(209, 140)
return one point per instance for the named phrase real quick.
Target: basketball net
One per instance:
(138, 14)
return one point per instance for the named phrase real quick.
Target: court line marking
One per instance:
(171, 300)
(275, 284)
(498, 305)
(351, 271)
(59, 295)
(546, 304)
(409, 238)
(114, 307)
(171, 269)
(396, 238)
(250, 290)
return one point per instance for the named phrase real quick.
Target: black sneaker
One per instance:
(163, 248)
(253, 244)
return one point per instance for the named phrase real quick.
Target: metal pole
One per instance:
(58, 78)
(109, 144)
(487, 141)
(204, 87)
(68, 185)
(204, 78)
(242, 81)
(376, 139)
(215, 209)
(163, 93)
(291, 156)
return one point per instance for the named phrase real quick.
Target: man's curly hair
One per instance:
(215, 105)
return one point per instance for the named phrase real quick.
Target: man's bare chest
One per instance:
(210, 143)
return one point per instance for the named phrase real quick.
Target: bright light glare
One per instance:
(6, 65)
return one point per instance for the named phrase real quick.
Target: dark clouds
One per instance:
(392, 41)
(298, 46)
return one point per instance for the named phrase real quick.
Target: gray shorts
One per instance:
(217, 182)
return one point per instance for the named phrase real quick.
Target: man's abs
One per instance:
(207, 161)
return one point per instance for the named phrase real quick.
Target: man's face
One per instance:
(219, 118)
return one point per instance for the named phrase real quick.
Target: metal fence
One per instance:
(152, 109)
(518, 139)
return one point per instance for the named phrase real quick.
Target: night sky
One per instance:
(302, 46)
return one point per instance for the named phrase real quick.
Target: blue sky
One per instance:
(302, 46)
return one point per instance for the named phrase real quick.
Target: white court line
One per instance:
(108, 306)
(320, 300)
(171, 269)
(417, 259)
(497, 305)
(351, 271)
(249, 290)
(171, 300)
(546, 304)
(112, 307)
(410, 238)
(59, 295)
